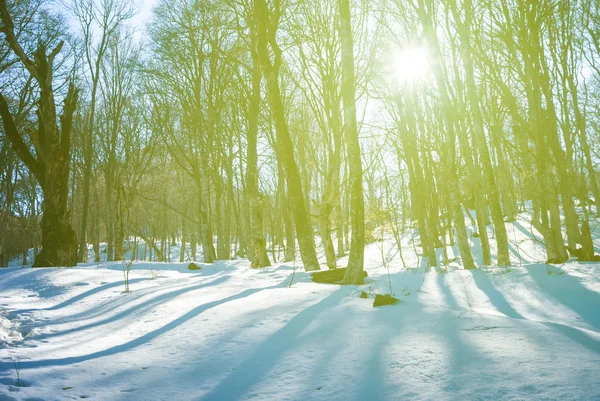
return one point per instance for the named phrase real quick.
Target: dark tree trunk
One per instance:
(267, 35)
(53, 150)
(258, 256)
(354, 274)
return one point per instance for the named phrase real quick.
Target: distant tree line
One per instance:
(268, 128)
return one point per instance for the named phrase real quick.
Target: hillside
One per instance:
(227, 332)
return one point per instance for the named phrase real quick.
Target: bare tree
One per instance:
(51, 140)
(107, 16)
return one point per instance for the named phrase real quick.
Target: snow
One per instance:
(227, 332)
(172, 255)
(8, 332)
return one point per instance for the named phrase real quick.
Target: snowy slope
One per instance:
(227, 332)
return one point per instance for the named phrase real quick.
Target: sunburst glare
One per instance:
(411, 65)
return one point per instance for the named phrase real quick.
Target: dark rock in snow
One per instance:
(364, 295)
(332, 276)
(386, 299)
(193, 266)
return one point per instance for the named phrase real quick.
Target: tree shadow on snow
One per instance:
(34, 280)
(372, 384)
(146, 338)
(516, 254)
(496, 298)
(577, 336)
(107, 305)
(240, 381)
(84, 295)
(429, 372)
(576, 302)
(569, 291)
(137, 308)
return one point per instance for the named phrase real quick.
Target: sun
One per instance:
(411, 65)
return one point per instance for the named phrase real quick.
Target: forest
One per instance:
(371, 139)
(334, 118)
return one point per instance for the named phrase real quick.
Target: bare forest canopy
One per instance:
(263, 128)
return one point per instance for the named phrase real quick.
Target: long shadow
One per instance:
(207, 269)
(516, 253)
(463, 356)
(495, 296)
(326, 357)
(83, 295)
(444, 286)
(374, 387)
(577, 335)
(140, 308)
(23, 271)
(538, 241)
(143, 339)
(239, 382)
(570, 293)
(463, 353)
(579, 301)
(102, 307)
(520, 227)
(212, 346)
(34, 280)
(456, 252)
(44, 288)
(475, 248)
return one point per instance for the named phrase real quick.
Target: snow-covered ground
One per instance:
(227, 332)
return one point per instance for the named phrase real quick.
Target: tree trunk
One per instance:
(339, 221)
(183, 238)
(193, 245)
(258, 255)
(448, 114)
(267, 35)
(204, 235)
(325, 232)
(59, 241)
(354, 274)
(290, 240)
(480, 140)
(119, 225)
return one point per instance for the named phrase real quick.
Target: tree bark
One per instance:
(52, 165)
(267, 25)
(354, 274)
(258, 255)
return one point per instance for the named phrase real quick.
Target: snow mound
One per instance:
(14, 328)
(9, 332)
